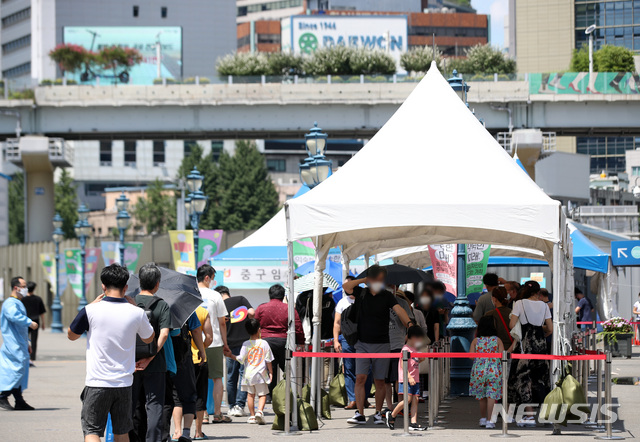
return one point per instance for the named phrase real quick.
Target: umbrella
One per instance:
(398, 274)
(178, 290)
(307, 282)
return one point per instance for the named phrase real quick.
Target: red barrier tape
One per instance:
(602, 322)
(588, 357)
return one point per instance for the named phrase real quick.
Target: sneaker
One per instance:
(5, 405)
(378, 419)
(260, 418)
(357, 419)
(483, 422)
(416, 427)
(251, 420)
(391, 421)
(23, 406)
(490, 425)
(527, 422)
(236, 411)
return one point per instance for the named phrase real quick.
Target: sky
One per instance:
(497, 9)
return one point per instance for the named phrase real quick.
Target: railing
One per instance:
(60, 152)
(505, 139)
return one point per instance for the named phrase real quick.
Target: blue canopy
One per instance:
(586, 255)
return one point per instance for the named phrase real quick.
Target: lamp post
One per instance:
(122, 218)
(316, 167)
(461, 326)
(56, 307)
(83, 231)
(195, 204)
(589, 32)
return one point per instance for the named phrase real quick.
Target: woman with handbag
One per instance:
(529, 380)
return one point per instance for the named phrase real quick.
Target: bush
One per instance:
(26, 94)
(166, 80)
(70, 57)
(335, 60)
(282, 63)
(614, 59)
(46, 82)
(192, 80)
(485, 59)
(419, 59)
(243, 64)
(368, 62)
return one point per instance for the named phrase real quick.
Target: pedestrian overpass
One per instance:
(277, 110)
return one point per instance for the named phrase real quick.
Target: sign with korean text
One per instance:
(111, 253)
(445, 265)
(73, 265)
(477, 258)
(254, 274)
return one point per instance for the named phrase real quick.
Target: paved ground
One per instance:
(56, 383)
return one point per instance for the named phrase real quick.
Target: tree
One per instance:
(580, 60)
(207, 166)
(614, 59)
(335, 60)
(70, 57)
(246, 197)
(117, 58)
(368, 62)
(66, 203)
(16, 209)
(285, 63)
(485, 59)
(157, 209)
(419, 59)
(243, 64)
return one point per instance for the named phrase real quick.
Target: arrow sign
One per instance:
(625, 253)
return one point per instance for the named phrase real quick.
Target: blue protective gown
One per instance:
(14, 354)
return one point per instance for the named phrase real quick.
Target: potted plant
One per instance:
(70, 58)
(617, 335)
(117, 58)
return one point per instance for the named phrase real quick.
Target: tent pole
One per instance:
(316, 320)
(291, 338)
(560, 295)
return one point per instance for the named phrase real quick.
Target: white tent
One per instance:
(431, 175)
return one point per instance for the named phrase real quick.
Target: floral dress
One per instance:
(486, 374)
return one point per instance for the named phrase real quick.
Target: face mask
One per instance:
(23, 291)
(376, 287)
(425, 301)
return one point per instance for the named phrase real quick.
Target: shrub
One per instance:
(71, 57)
(335, 60)
(192, 80)
(243, 64)
(368, 62)
(485, 59)
(283, 63)
(60, 81)
(614, 59)
(46, 82)
(25, 94)
(419, 59)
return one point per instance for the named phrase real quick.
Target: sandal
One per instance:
(260, 418)
(251, 420)
(220, 419)
(204, 437)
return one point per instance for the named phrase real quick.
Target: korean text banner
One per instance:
(477, 258)
(208, 245)
(92, 254)
(48, 261)
(445, 265)
(142, 38)
(182, 250)
(254, 274)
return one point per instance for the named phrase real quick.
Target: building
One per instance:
(200, 32)
(632, 164)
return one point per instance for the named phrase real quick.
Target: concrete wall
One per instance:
(564, 176)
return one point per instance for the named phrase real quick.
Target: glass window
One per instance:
(158, 153)
(163, 12)
(635, 171)
(276, 165)
(188, 147)
(136, 11)
(106, 153)
(130, 153)
(217, 147)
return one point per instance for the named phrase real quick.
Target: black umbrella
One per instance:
(398, 274)
(179, 291)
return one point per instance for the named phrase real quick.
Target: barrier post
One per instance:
(597, 426)
(585, 365)
(505, 404)
(432, 396)
(607, 400)
(405, 396)
(441, 380)
(447, 374)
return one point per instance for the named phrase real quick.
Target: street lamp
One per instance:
(83, 231)
(316, 167)
(458, 84)
(589, 31)
(195, 204)
(56, 307)
(122, 220)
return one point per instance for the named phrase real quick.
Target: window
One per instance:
(17, 71)
(136, 11)
(163, 12)
(130, 153)
(106, 153)
(16, 44)
(635, 170)
(158, 153)
(16, 17)
(217, 146)
(276, 165)
(189, 146)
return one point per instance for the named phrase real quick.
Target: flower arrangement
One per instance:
(614, 327)
(70, 57)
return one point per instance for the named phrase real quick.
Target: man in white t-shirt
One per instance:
(111, 322)
(218, 348)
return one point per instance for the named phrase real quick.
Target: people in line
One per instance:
(442, 304)
(397, 338)
(256, 356)
(584, 309)
(273, 317)
(416, 339)
(513, 288)
(484, 303)
(14, 353)
(501, 317)
(240, 310)
(486, 373)
(529, 378)
(371, 312)
(149, 379)
(218, 347)
(36, 312)
(427, 308)
(111, 323)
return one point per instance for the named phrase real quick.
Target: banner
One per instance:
(445, 265)
(48, 261)
(253, 274)
(574, 83)
(477, 258)
(182, 250)
(208, 245)
(111, 253)
(303, 251)
(92, 254)
(73, 266)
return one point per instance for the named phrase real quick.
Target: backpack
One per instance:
(349, 323)
(182, 343)
(144, 350)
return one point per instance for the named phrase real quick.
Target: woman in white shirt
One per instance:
(529, 381)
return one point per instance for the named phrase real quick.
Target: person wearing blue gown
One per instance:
(14, 353)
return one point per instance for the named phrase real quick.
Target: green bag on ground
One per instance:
(278, 422)
(325, 403)
(278, 397)
(572, 393)
(338, 391)
(552, 409)
(306, 418)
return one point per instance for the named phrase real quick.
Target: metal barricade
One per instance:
(597, 425)
(505, 406)
(433, 395)
(607, 400)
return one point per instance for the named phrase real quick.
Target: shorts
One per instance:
(202, 386)
(392, 374)
(257, 389)
(414, 390)
(98, 402)
(379, 367)
(215, 360)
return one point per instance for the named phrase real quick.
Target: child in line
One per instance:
(415, 339)
(256, 356)
(486, 373)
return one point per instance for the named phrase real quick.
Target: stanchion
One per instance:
(442, 407)
(447, 375)
(585, 364)
(607, 400)
(597, 426)
(505, 405)
(405, 396)
(433, 398)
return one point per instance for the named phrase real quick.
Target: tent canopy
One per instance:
(431, 175)
(586, 255)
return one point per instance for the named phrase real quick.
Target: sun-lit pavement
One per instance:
(56, 383)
